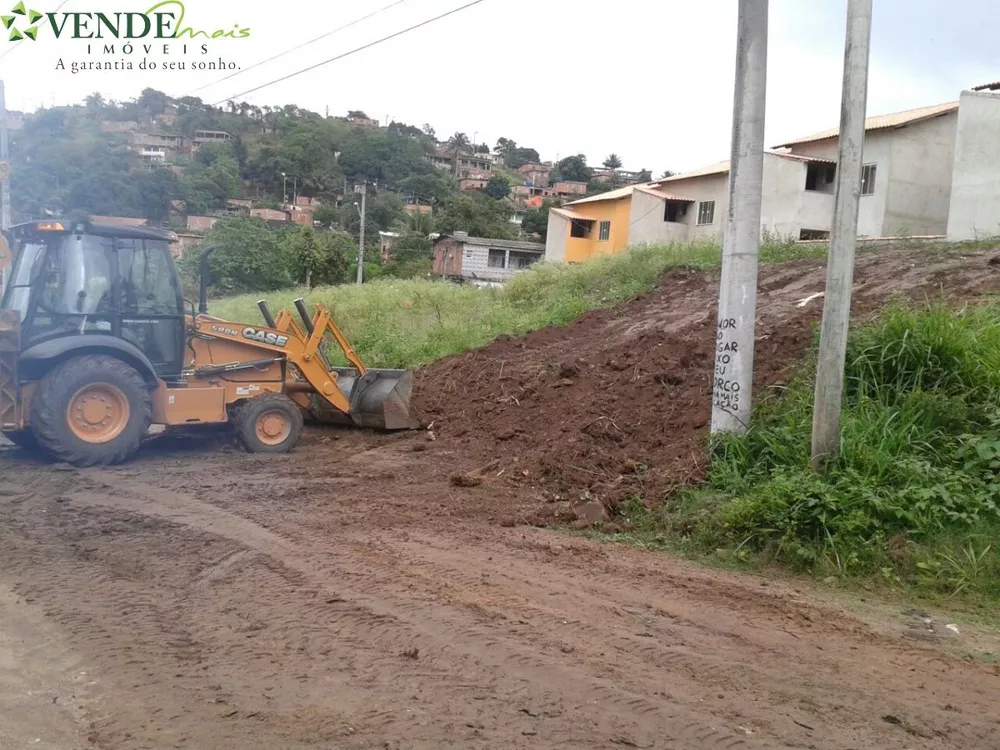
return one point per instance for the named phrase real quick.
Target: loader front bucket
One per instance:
(379, 399)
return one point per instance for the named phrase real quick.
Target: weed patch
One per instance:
(914, 497)
(393, 323)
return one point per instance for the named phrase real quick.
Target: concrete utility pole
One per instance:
(843, 238)
(361, 246)
(4, 163)
(741, 247)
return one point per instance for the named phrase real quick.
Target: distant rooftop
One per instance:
(505, 244)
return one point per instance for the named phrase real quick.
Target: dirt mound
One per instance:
(618, 403)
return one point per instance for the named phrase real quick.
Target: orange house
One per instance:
(589, 227)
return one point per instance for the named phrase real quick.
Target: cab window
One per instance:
(149, 286)
(76, 277)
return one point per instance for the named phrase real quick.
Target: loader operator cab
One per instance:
(101, 280)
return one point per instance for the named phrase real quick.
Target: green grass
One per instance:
(394, 323)
(914, 498)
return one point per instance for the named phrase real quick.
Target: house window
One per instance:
(868, 179)
(605, 234)
(814, 234)
(673, 211)
(522, 260)
(706, 212)
(579, 229)
(498, 259)
(819, 177)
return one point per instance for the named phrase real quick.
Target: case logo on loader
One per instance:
(264, 337)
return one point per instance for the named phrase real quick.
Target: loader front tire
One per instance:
(269, 423)
(91, 410)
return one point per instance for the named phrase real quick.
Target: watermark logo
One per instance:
(164, 21)
(28, 19)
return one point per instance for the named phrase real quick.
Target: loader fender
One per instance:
(38, 359)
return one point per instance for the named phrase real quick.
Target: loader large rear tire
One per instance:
(91, 410)
(270, 423)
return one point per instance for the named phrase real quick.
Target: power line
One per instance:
(12, 48)
(350, 52)
(300, 46)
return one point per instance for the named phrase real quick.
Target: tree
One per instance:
(613, 162)
(572, 168)
(401, 128)
(457, 144)
(316, 258)
(94, 101)
(419, 223)
(478, 215)
(521, 156)
(383, 212)
(325, 215)
(435, 187)
(504, 148)
(667, 174)
(189, 103)
(156, 190)
(247, 257)
(498, 187)
(153, 102)
(211, 178)
(357, 114)
(413, 256)
(536, 220)
(481, 148)
(645, 175)
(428, 130)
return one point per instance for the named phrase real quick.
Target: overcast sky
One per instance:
(651, 80)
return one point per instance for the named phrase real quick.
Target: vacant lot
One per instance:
(350, 595)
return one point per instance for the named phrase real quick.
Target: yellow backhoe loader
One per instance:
(97, 344)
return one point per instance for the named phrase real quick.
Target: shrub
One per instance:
(919, 465)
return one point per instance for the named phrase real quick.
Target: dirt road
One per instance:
(238, 601)
(350, 596)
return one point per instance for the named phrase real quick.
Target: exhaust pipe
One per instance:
(203, 272)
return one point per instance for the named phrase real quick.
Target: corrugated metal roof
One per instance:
(882, 122)
(506, 244)
(800, 157)
(611, 195)
(572, 215)
(664, 194)
(721, 168)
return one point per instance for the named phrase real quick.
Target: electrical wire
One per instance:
(300, 46)
(16, 46)
(348, 53)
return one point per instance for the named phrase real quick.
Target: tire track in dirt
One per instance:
(374, 614)
(727, 652)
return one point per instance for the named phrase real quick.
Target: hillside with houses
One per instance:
(185, 165)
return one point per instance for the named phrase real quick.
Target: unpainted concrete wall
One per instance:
(877, 150)
(555, 237)
(975, 193)
(919, 192)
(646, 224)
(709, 188)
(787, 207)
